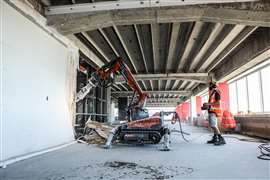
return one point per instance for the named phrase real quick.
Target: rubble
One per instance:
(95, 133)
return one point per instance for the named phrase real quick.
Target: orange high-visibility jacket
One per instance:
(212, 99)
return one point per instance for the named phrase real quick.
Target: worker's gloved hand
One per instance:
(205, 106)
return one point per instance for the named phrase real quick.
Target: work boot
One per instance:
(213, 140)
(220, 141)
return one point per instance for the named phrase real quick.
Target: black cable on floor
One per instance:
(265, 151)
(181, 130)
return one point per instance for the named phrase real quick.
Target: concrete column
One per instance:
(198, 104)
(193, 110)
(112, 116)
(108, 104)
(122, 106)
(225, 98)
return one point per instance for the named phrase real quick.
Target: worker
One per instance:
(214, 112)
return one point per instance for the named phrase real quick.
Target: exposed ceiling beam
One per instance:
(155, 48)
(141, 50)
(129, 93)
(252, 14)
(151, 85)
(155, 45)
(125, 47)
(124, 87)
(116, 87)
(108, 41)
(125, 4)
(255, 50)
(190, 44)
(176, 82)
(173, 39)
(190, 85)
(215, 32)
(46, 2)
(193, 77)
(168, 82)
(183, 85)
(86, 51)
(143, 84)
(163, 99)
(237, 41)
(161, 105)
(249, 64)
(192, 38)
(90, 40)
(221, 46)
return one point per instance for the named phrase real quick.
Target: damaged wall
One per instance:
(38, 86)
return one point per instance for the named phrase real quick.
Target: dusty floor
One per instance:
(186, 160)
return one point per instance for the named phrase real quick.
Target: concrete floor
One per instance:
(192, 160)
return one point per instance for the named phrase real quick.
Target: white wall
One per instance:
(34, 68)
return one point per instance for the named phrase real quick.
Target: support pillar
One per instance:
(193, 109)
(198, 105)
(225, 98)
(122, 108)
(108, 104)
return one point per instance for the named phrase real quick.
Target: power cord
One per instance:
(181, 130)
(264, 148)
(265, 151)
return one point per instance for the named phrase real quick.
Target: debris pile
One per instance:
(95, 133)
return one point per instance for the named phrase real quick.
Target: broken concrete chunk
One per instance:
(97, 133)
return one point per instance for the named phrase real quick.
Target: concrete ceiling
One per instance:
(169, 49)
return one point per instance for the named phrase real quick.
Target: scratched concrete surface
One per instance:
(186, 160)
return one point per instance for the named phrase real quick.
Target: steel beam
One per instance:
(125, 4)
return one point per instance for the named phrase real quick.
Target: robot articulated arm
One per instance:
(104, 77)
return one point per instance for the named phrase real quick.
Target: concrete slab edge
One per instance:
(3, 164)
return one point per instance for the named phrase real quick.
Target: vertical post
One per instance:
(198, 104)
(122, 108)
(225, 99)
(108, 104)
(193, 112)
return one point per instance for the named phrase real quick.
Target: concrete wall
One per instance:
(35, 106)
